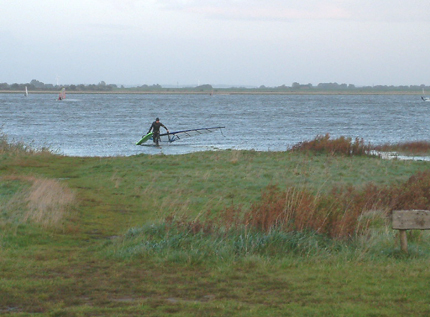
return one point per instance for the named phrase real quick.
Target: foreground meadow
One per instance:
(229, 233)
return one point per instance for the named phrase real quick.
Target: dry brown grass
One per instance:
(341, 213)
(342, 145)
(297, 209)
(49, 203)
(415, 147)
(235, 156)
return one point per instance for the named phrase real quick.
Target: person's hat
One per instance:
(157, 119)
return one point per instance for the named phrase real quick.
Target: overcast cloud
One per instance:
(236, 42)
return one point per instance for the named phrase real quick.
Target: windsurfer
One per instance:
(155, 127)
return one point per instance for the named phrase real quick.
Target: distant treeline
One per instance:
(36, 85)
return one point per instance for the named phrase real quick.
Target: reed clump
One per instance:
(340, 146)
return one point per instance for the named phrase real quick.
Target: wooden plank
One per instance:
(411, 219)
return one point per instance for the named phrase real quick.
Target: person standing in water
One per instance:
(155, 127)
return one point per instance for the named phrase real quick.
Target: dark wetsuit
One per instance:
(155, 127)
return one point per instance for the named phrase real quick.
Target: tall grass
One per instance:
(49, 203)
(342, 145)
(415, 147)
(337, 213)
(45, 202)
(176, 242)
(291, 221)
(19, 148)
(413, 194)
(350, 147)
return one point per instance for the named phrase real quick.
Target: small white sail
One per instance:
(26, 92)
(424, 98)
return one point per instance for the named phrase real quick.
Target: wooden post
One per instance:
(410, 220)
(403, 240)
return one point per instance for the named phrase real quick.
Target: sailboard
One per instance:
(26, 91)
(62, 94)
(145, 138)
(178, 135)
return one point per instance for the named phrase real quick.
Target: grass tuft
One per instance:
(49, 203)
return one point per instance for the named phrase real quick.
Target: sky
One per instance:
(216, 42)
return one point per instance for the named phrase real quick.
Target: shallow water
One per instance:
(111, 124)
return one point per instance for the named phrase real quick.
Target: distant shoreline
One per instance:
(415, 93)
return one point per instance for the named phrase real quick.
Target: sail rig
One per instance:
(424, 98)
(62, 94)
(26, 92)
(177, 135)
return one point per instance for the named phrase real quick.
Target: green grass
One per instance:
(131, 237)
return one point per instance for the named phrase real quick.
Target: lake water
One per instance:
(111, 124)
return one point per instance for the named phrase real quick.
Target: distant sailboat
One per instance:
(26, 92)
(62, 94)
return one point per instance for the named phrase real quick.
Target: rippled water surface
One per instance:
(111, 124)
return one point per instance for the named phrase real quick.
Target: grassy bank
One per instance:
(210, 234)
